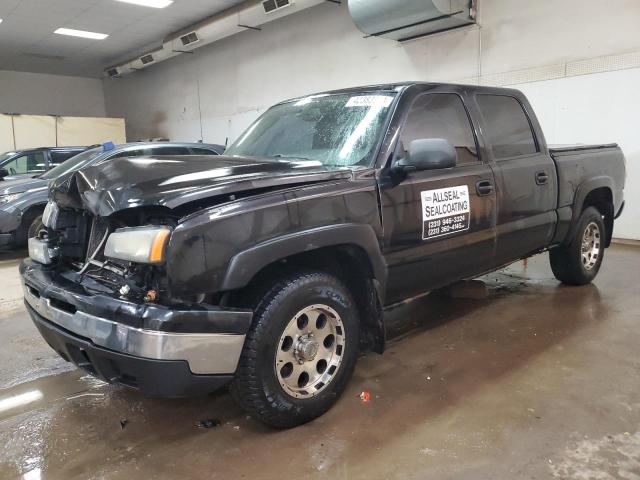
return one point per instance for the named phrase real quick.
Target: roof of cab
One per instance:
(400, 86)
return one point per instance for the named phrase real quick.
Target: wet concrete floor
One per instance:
(535, 381)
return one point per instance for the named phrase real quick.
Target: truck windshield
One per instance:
(73, 164)
(335, 130)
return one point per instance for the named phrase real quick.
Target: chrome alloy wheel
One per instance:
(310, 351)
(591, 245)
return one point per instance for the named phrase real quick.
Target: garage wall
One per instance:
(43, 94)
(539, 46)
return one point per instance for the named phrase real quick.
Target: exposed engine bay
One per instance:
(80, 240)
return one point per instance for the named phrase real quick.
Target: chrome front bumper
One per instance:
(206, 353)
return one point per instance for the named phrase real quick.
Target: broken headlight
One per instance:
(138, 244)
(50, 215)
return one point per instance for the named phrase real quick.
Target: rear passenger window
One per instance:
(170, 151)
(130, 153)
(441, 115)
(507, 127)
(202, 151)
(60, 156)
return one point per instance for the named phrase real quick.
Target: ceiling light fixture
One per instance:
(149, 3)
(81, 33)
(0, 20)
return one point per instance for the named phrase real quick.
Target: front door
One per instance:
(439, 225)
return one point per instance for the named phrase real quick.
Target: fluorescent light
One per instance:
(150, 3)
(0, 20)
(19, 400)
(81, 33)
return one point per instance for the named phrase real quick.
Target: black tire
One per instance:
(567, 262)
(256, 386)
(35, 227)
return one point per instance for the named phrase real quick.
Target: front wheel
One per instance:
(579, 262)
(300, 351)
(35, 227)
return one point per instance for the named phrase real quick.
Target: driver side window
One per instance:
(441, 115)
(28, 163)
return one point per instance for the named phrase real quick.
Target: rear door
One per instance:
(438, 224)
(525, 174)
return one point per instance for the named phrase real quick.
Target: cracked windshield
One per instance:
(335, 130)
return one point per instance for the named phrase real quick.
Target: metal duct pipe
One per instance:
(405, 19)
(250, 15)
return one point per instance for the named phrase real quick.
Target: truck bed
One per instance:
(579, 164)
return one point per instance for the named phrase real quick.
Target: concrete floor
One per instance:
(535, 381)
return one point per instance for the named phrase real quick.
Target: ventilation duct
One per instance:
(273, 5)
(113, 72)
(250, 15)
(406, 19)
(189, 38)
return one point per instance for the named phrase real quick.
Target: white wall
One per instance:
(43, 94)
(221, 88)
(597, 108)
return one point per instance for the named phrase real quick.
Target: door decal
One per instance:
(445, 211)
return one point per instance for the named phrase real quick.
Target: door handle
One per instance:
(484, 187)
(542, 178)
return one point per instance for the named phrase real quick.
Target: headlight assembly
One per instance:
(50, 215)
(4, 199)
(138, 244)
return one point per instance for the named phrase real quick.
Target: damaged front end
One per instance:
(122, 255)
(96, 288)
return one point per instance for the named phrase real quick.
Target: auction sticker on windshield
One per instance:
(445, 211)
(381, 101)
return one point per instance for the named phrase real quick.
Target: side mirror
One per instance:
(3, 173)
(428, 154)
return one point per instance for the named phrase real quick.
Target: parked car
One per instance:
(24, 163)
(22, 201)
(269, 268)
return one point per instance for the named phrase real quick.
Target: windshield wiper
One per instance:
(279, 155)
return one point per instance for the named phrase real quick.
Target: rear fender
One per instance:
(583, 190)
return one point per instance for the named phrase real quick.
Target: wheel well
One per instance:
(349, 263)
(28, 216)
(602, 199)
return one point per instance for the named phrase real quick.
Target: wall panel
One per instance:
(6, 134)
(89, 131)
(33, 131)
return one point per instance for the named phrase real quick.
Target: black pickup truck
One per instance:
(270, 267)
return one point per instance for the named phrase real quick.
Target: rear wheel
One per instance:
(300, 351)
(579, 262)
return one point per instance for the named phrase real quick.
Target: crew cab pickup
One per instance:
(269, 268)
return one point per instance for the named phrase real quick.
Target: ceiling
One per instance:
(27, 41)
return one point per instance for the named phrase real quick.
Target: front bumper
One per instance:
(7, 239)
(157, 350)
(9, 223)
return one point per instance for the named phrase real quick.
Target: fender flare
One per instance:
(247, 263)
(584, 189)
